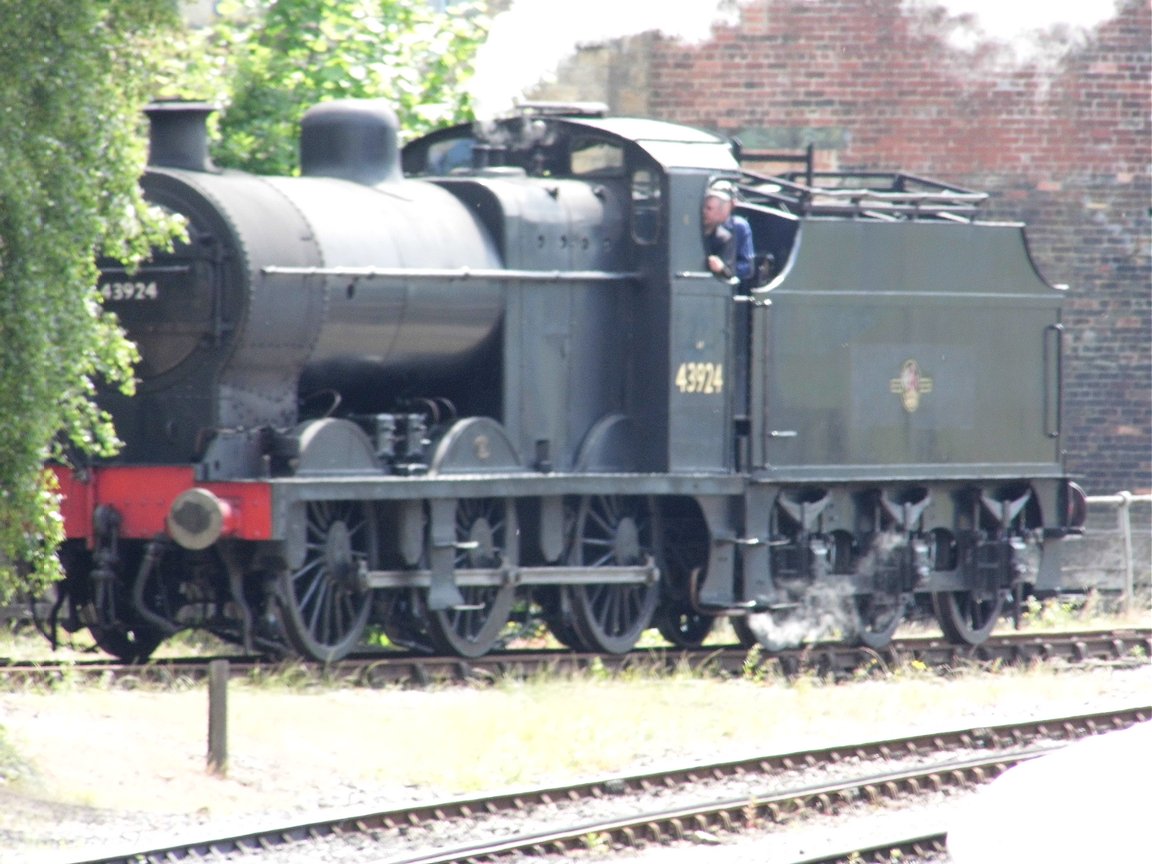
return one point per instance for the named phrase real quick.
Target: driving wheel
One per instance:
(612, 530)
(324, 604)
(486, 538)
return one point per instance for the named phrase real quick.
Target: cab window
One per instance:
(591, 157)
(448, 155)
(646, 206)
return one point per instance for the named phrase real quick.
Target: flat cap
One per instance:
(721, 189)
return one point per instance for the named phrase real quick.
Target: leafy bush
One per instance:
(71, 90)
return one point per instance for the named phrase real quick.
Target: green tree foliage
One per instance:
(268, 61)
(74, 76)
(71, 89)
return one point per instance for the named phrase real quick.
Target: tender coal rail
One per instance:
(381, 669)
(775, 788)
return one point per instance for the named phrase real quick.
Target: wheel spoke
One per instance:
(614, 508)
(314, 584)
(603, 561)
(317, 523)
(307, 569)
(320, 589)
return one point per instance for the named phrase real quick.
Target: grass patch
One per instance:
(525, 732)
(294, 727)
(12, 767)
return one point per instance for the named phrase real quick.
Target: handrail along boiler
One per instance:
(430, 390)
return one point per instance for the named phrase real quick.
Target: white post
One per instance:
(1124, 521)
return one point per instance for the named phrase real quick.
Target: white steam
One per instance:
(824, 613)
(1004, 20)
(528, 42)
(1032, 31)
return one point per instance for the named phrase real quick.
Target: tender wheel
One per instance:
(967, 617)
(612, 531)
(877, 617)
(487, 535)
(323, 603)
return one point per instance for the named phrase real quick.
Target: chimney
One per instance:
(179, 135)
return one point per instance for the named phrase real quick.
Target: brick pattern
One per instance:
(1062, 143)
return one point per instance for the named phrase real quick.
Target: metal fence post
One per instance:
(218, 717)
(1124, 519)
(1123, 502)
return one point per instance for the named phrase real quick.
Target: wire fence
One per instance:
(1133, 556)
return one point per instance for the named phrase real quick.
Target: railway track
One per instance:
(379, 669)
(707, 819)
(685, 803)
(907, 850)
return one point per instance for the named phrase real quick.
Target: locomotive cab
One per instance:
(637, 318)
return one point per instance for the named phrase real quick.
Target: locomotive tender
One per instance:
(429, 390)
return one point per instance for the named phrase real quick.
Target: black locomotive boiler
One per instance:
(428, 391)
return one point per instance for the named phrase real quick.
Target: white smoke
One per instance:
(824, 613)
(528, 42)
(1005, 20)
(1033, 31)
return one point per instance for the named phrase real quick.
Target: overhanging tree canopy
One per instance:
(74, 76)
(267, 61)
(72, 83)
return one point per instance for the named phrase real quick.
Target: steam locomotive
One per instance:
(430, 391)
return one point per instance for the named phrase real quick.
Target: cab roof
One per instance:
(511, 138)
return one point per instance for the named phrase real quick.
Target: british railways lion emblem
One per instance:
(911, 385)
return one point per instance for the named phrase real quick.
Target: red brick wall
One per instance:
(1064, 146)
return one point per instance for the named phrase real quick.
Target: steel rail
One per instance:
(1116, 647)
(896, 849)
(1003, 736)
(732, 814)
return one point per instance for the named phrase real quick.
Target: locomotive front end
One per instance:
(297, 316)
(341, 291)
